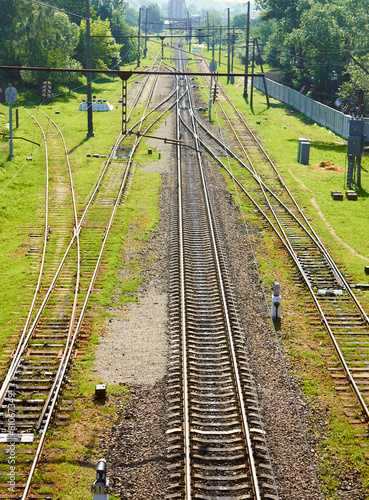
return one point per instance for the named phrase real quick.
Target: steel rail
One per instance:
(247, 436)
(38, 285)
(187, 459)
(82, 313)
(312, 235)
(311, 291)
(21, 347)
(78, 229)
(77, 284)
(65, 362)
(333, 265)
(339, 277)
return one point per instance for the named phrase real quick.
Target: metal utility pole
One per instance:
(220, 44)
(229, 46)
(190, 30)
(139, 37)
(252, 71)
(145, 49)
(213, 48)
(213, 91)
(90, 127)
(10, 97)
(245, 94)
(262, 70)
(233, 42)
(162, 46)
(207, 22)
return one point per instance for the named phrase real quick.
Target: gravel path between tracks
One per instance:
(133, 349)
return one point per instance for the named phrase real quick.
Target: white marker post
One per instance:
(10, 97)
(100, 488)
(276, 302)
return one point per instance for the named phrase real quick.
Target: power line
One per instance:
(43, 4)
(123, 72)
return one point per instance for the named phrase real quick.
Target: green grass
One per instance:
(21, 203)
(279, 129)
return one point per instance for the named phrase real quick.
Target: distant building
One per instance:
(177, 10)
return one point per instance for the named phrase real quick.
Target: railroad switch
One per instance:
(100, 488)
(276, 302)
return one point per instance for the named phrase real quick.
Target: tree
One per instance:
(104, 49)
(10, 9)
(131, 16)
(45, 37)
(76, 9)
(105, 8)
(311, 38)
(239, 21)
(155, 19)
(128, 50)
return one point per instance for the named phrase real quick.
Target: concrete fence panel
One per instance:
(320, 113)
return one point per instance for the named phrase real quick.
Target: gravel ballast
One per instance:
(133, 351)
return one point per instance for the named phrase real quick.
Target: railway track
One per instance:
(74, 246)
(335, 299)
(217, 447)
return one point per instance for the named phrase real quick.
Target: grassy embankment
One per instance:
(340, 225)
(22, 188)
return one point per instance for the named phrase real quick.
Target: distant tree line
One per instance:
(54, 35)
(315, 43)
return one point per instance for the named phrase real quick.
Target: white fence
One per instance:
(335, 120)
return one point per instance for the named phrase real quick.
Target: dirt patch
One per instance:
(327, 165)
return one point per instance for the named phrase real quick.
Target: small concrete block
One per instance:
(351, 195)
(337, 195)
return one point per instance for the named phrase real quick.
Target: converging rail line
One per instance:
(36, 376)
(341, 313)
(217, 447)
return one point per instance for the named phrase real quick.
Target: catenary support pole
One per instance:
(90, 128)
(229, 46)
(245, 92)
(145, 49)
(139, 37)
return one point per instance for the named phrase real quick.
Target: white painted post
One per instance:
(276, 302)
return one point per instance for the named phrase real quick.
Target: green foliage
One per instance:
(131, 17)
(155, 19)
(239, 21)
(40, 37)
(104, 50)
(106, 8)
(128, 45)
(77, 7)
(311, 42)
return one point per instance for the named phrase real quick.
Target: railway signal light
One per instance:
(46, 90)
(214, 92)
